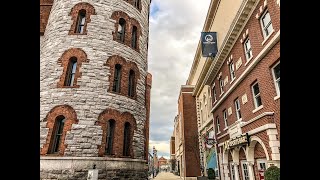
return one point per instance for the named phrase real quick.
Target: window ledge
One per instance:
(225, 128)
(218, 132)
(248, 61)
(232, 80)
(257, 109)
(266, 38)
(239, 120)
(277, 97)
(221, 94)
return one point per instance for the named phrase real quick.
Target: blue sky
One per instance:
(175, 29)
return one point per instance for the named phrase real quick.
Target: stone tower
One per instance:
(94, 88)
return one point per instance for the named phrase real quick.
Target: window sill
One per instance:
(239, 120)
(232, 80)
(277, 97)
(221, 94)
(266, 38)
(226, 128)
(257, 109)
(218, 132)
(248, 61)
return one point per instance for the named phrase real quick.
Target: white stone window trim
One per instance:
(225, 119)
(245, 64)
(276, 97)
(257, 109)
(261, 25)
(245, 50)
(266, 39)
(274, 79)
(256, 95)
(221, 94)
(232, 81)
(226, 128)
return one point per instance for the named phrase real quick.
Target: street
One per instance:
(166, 176)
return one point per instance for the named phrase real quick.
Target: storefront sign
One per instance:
(238, 141)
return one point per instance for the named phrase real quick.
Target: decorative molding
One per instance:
(238, 63)
(244, 99)
(229, 111)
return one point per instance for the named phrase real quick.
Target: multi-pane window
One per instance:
(247, 49)
(214, 93)
(56, 135)
(256, 95)
(110, 135)
(218, 124)
(126, 139)
(276, 77)
(117, 78)
(225, 118)
(245, 171)
(136, 3)
(221, 85)
(232, 72)
(237, 107)
(131, 83)
(134, 37)
(71, 72)
(121, 30)
(81, 21)
(266, 24)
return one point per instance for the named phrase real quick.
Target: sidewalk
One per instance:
(166, 176)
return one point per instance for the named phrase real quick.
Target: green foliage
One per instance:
(272, 173)
(211, 174)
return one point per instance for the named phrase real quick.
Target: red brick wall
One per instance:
(71, 118)
(74, 16)
(64, 61)
(147, 123)
(130, 22)
(120, 120)
(261, 73)
(125, 70)
(189, 121)
(45, 8)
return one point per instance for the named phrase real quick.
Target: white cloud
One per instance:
(175, 28)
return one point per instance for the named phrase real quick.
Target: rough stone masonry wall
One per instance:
(91, 98)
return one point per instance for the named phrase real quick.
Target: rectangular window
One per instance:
(266, 24)
(247, 49)
(276, 77)
(214, 94)
(232, 72)
(221, 85)
(232, 172)
(256, 95)
(218, 124)
(225, 118)
(245, 172)
(81, 21)
(237, 107)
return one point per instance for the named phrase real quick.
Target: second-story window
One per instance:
(121, 30)
(232, 72)
(247, 49)
(225, 118)
(136, 3)
(266, 24)
(276, 77)
(131, 87)
(134, 37)
(218, 124)
(117, 78)
(81, 21)
(71, 71)
(221, 85)
(214, 94)
(56, 135)
(237, 107)
(110, 135)
(256, 95)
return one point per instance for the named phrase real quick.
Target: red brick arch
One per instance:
(64, 60)
(120, 120)
(130, 22)
(74, 13)
(71, 118)
(125, 70)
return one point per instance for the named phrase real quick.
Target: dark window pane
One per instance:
(259, 102)
(256, 89)
(277, 71)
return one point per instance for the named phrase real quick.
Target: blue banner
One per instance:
(209, 44)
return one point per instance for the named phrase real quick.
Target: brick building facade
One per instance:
(94, 88)
(245, 76)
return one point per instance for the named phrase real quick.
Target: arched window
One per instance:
(117, 78)
(71, 71)
(134, 37)
(56, 135)
(126, 140)
(131, 86)
(121, 29)
(136, 3)
(81, 21)
(110, 136)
